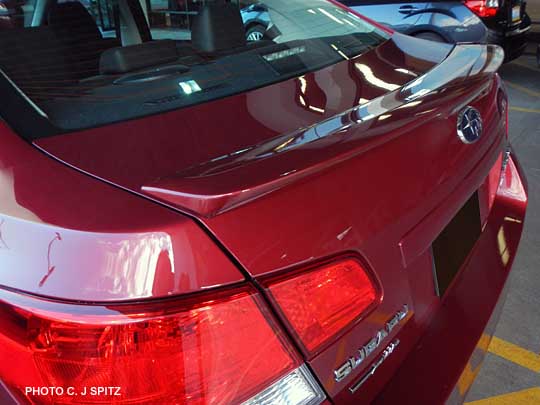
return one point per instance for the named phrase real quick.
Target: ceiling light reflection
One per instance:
(326, 13)
(374, 80)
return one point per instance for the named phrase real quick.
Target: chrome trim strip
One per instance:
(506, 157)
(517, 32)
(434, 272)
(32, 104)
(387, 352)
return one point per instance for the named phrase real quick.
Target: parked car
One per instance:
(441, 21)
(454, 21)
(327, 216)
(256, 20)
(507, 21)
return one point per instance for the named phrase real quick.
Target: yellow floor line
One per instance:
(467, 378)
(522, 89)
(526, 397)
(515, 354)
(523, 109)
(525, 65)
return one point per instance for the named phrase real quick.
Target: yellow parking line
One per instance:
(523, 89)
(523, 109)
(516, 62)
(467, 378)
(525, 397)
(515, 354)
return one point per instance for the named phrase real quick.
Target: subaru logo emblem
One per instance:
(469, 125)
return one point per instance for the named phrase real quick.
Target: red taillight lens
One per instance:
(220, 350)
(320, 303)
(483, 8)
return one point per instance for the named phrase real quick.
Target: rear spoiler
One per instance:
(226, 182)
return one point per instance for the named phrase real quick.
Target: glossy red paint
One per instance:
(458, 335)
(382, 190)
(66, 235)
(149, 155)
(439, 185)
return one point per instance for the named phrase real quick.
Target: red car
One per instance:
(328, 215)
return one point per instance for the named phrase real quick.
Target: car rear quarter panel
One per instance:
(66, 235)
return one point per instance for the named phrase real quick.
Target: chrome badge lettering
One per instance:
(387, 352)
(353, 362)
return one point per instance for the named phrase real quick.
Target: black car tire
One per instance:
(431, 36)
(255, 32)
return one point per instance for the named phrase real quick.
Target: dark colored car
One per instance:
(454, 21)
(329, 216)
(442, 21)
(507, 21)
(256, 21)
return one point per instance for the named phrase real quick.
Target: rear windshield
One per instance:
(73, 65)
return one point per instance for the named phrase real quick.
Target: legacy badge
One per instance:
(346, 368)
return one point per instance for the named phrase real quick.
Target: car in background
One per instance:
(441, 21)
(256, 20)
(507, 21)
(501, 22)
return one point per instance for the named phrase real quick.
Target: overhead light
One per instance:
(190, 86)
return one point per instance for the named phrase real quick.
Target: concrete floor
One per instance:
(533, 8)
(510, 373)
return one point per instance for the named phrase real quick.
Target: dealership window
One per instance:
(173, 18)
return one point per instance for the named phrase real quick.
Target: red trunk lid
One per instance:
(283, 181)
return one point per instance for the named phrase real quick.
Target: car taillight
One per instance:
(483, 8)
(321, 302)
(219, 348)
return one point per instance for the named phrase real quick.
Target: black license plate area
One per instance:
(455, 242)
(515, 12)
